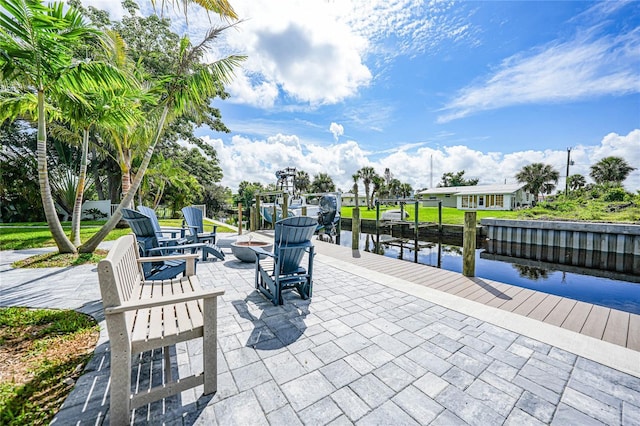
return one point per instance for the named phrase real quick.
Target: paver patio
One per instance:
(360, 352)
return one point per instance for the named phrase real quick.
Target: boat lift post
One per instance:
(285, 200)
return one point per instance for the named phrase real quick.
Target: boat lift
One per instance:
(415, 224)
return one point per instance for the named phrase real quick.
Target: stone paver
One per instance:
(358, 353)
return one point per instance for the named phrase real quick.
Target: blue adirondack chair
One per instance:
(142, 227)
(162, 232)
(150, 245)
(195, 224)
(280, 270)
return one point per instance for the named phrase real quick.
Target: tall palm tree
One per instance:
(187, 85)
(302, 181)
(36, 54)
(538, 178)
(394, 187)
(367, 174)
(378, 187)
(612, 170)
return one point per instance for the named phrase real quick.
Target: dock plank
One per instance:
(545, 307)
(596, 322)
(561, 312)
(577, 317)
(516, 300)
(617, 328)
(495, 299)
(530, 304)
(633, 338)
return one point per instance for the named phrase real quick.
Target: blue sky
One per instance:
(485, 87)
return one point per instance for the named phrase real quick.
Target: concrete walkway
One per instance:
(366, 350)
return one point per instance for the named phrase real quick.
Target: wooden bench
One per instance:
(145, 315)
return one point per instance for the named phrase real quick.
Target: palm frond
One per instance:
(221, 7)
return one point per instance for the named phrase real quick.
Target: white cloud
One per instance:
(314, 52)
(337, 130)
(258, 160)
(560, 72)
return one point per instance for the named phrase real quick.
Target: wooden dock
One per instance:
(610, 325)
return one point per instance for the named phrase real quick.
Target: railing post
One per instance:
(285, 205)
(469, 245)
(239, 218)
(355, 229)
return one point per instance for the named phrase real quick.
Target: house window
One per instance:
(499, 200)
(469, 201)
(447, 196)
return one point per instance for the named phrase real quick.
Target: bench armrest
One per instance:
(133, 305)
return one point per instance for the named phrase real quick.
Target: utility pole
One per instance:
(566, 181)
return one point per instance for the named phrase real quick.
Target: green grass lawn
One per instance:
(577, 210)
(450, 215)
(18, 236)
(48, 350)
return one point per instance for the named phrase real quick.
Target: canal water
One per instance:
(591, 286)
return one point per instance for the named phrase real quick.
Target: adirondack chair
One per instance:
(194, 221)
(161, 233)
(150, 245)
(280, 270)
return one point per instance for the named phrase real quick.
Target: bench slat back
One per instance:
(119, 272)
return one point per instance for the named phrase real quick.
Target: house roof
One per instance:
(471, 190)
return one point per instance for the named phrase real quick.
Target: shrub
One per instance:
(615, 194)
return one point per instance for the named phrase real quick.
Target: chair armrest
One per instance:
(262, 252)
(133, 305)
(171, 249)
(173, 231)
(168, 241)
(165, 258)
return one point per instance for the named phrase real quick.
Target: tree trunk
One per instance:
(60, 238)
(93, 242)
(96, 178)
(82, 177)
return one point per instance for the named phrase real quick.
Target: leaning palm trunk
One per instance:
(93, 242)
(59, 237)
(82, 179)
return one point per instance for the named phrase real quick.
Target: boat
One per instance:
(324, 207)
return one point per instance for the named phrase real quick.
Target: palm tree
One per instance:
(610, 170)
(36, 55)
(187, 85)
(538, 178)
(394, 187)
(302, 181)
(576, 182)
(378, 187)
(322, 182)
(367, 174)
(406, 190)
(221, 7)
